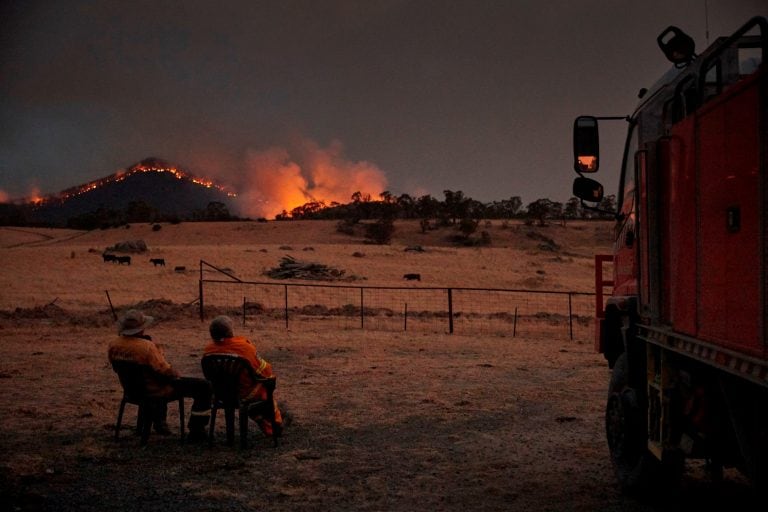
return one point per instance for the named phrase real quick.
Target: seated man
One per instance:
(135, 346)
(223, 341)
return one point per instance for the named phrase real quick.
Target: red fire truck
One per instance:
(685, 329)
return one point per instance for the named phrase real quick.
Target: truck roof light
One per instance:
(677, 46)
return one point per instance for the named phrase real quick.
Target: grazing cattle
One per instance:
(123, 259)
(180, 269)
(157, 261)
(412, 277)
(109, 257)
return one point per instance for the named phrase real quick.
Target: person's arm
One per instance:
(158, 363)
(260, 365)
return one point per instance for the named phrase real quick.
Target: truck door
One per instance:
(625, 234)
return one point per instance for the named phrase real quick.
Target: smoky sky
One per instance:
(468, 95)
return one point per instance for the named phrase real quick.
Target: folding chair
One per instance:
(134, 377)
(225, 372)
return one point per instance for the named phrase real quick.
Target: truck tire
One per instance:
(625, 428)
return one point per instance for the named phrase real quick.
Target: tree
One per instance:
(540, 209)
(407, 206)
(608, 205)
(217, 211)
(510, 207)
(308, 210)
(572, 208)
(455, 205)
(468, 226)
(427, 207)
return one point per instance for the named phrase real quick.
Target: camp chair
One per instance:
(133, 377)
(224, 371)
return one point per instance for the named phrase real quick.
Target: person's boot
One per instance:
(162, 429)
(198, 423)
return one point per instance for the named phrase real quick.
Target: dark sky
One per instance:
(471, 95)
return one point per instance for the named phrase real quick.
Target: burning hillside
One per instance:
(271, 181)
(156, 186)
(149, 165)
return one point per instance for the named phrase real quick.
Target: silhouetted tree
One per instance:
(217, 211)
(456, 206)
(308, 210)
(468, 226)
(608, 205)
(427, 207)
(540, 209)
(407, 206)
(572, 208)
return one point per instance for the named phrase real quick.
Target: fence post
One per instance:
(362, 310)
(243, 311)
(405, 318)
(570, 314)
(286, 305)
(200, 291)
(514, 325)
(450, 310)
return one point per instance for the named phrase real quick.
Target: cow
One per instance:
(157, 261)
(109, 257)
(412, 277)
(123, 259)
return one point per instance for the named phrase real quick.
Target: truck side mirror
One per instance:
(586, 145)
(587, 189)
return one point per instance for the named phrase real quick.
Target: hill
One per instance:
(149, 190)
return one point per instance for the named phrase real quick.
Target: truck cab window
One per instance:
(626, 195)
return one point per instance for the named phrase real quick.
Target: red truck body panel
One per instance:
(729, 305)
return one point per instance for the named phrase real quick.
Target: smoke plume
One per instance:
(276, 179)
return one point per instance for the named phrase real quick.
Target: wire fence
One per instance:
(466, 311)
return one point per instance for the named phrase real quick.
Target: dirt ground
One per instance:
(382, 421)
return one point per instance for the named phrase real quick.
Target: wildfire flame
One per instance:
(275, 181)
(145, 166)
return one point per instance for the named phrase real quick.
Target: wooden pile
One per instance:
(290, 268)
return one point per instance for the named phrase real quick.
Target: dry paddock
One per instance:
(382, 422)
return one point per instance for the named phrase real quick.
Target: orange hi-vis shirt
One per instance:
(243, 347)
(142, 351)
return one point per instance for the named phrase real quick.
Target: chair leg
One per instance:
(181, 418)
(120, 412)
(243, 417)
(229, 414)
(139, 419)
(145, 414)
(275, 434)
(212, 426)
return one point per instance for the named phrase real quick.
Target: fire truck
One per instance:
(682, 319)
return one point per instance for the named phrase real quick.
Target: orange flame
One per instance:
(275, 182)
(121, 175)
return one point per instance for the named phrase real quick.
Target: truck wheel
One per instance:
(625, 428)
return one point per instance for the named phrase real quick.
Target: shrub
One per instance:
(380, 232)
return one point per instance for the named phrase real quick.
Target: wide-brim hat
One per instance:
(133, 322)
